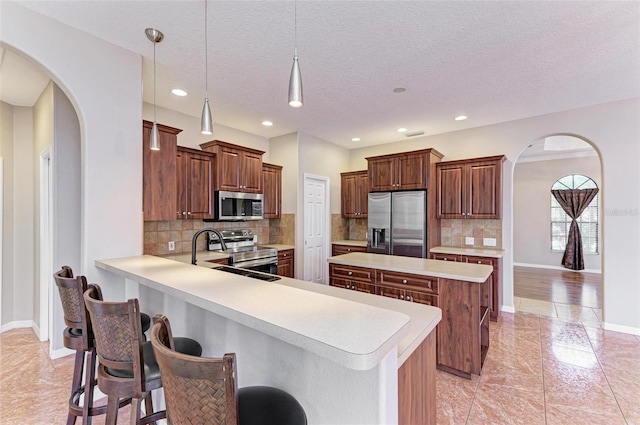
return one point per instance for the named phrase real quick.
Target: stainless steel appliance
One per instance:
(397, 223)
(243, 251)
(232, 206)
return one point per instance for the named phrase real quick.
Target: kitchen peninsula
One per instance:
(347, 357)
(461, 290)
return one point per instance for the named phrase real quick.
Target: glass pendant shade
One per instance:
(295, 85)
(206, 123)
(155, 138)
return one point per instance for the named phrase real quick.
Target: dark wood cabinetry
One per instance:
(470, 188)
(238, 169)
(462, 337)
(354, 194)
(223, 261)
(494, 282)
(338, 249)
(194, 179)
(403, 171)
(286, 262)
(159, 173)
(272, 187)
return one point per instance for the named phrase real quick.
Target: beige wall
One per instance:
(532, 183)
(284, 151)
(6, 151)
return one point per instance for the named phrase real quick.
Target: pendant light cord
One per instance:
(206, 54)
(295, 28)
(154, 81)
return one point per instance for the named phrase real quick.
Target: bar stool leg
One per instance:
(112, 411)
(76, 382)
(90, 382)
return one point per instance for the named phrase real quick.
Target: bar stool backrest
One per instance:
(197, 390)
(71, 290)
(118, 334)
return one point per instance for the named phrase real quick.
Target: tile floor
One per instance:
(539, 370)
(592, 316)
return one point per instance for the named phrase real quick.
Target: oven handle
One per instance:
(258, 262)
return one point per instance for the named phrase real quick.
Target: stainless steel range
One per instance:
(243, 251)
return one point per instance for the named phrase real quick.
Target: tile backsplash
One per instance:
(453, 232)
(348, 228)
(157, 234)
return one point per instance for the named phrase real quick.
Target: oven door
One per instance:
(260, 265)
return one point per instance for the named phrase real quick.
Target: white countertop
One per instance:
(201, 256)
(350, 242)
(477, 273)
(354, 330)
(278, 246)
(478, 252)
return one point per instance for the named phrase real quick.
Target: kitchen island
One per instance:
(461, 290)
(340, 354)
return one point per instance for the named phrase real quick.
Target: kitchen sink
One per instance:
(248, 273)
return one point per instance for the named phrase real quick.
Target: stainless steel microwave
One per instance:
(232, 206)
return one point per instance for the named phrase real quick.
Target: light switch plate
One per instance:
(468, 241)
(172, 246)
(489, 241)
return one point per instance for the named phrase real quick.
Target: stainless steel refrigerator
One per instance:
(397, 223)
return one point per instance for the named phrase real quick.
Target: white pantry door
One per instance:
(316, 218)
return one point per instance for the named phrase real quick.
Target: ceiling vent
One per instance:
(415, 133)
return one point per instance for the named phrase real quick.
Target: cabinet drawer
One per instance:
(285, 254)
(346, 249)
(446, 257)
(354, 285)
(408, 281)
(389, 291)
(482, 260)
(353, 273)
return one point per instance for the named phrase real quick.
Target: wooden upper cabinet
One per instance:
(403, 171)
(195, 170)
(470, 188)
(272, 186)
(354, 194)
(238, 169)
(159, 173)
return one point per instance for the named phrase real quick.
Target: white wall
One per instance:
(532, 183)
(6, 150)
(614, 131)
(283, 151)
(103, 82)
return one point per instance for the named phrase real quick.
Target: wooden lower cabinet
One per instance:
(338, 249)
(286, 262)
(223, 261)
(416, 385)
(495, 279)
(462, 337)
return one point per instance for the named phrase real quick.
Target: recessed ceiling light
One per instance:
(179, 92)
(399, 90)
(267, 123)
(355, 139)
(460, 118)
(401, 130)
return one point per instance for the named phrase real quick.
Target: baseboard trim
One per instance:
(61, 352)
(18, 324)
(621, 328)
(508, 309)
(545, 266)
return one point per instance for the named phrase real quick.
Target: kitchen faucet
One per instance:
(195, 238)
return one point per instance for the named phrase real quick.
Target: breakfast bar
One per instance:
(339, 353)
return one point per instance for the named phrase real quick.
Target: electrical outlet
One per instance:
(489, 241)
(468, 241)
(172, 246)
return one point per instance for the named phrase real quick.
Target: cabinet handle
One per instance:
(285, 254)
(350, 273)
(189, 213)
(349, 249)
(404, 280)
(410, 299)
(184, 213)
(479, 262)
(444, 259)
(401, 297)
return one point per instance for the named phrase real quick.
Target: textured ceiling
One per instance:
(492, 61)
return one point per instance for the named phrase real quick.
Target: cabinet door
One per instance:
(159, 174)
(181, 184)
(450, 200)
(412, 172)
(348, 194)
(382, 174)
(272, 185)
(229, 169)
(362, 194)
(199, 174)
(340, 283)
(422, 298)
(285, 263)
(251, 173)
(363, 287)
(390, 291)
(484, 190)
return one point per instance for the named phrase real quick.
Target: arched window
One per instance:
(588, 220)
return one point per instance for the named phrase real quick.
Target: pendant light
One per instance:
(206, 123)
(155, 37)
(295, 80)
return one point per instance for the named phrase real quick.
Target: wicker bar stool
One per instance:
(127, 366)
(201, 391)
(78, 336)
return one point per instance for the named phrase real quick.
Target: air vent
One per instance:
(415, 133)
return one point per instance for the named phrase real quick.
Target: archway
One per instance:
(540, 284)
